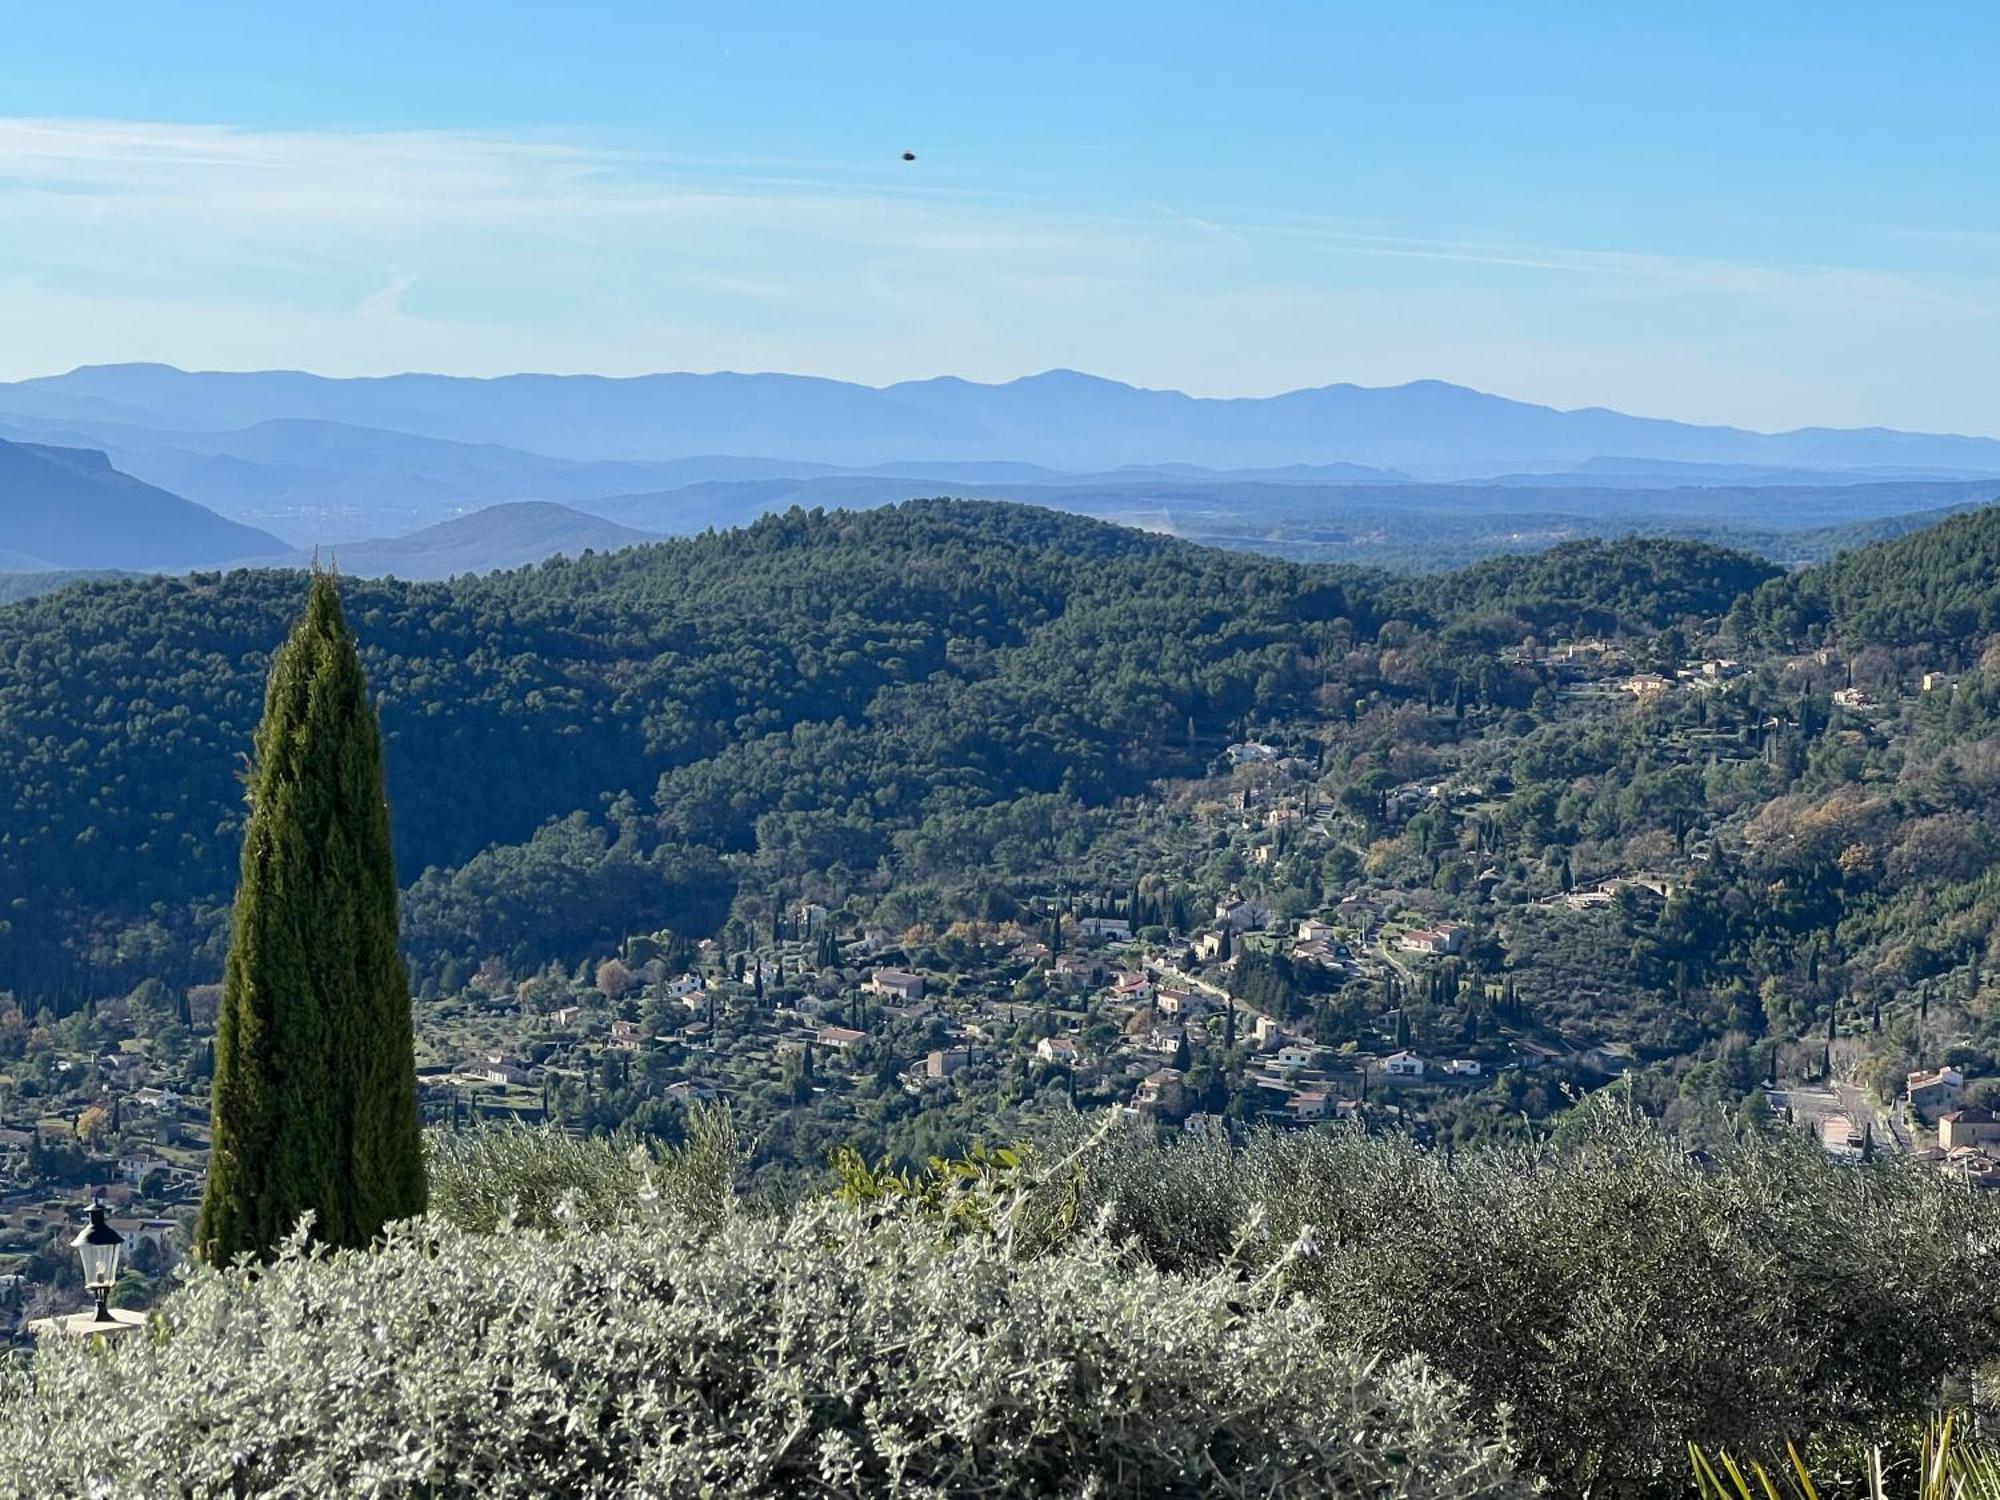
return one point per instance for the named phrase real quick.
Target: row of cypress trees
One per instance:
(314, 1103)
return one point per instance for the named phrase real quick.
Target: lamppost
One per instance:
(99, 1247)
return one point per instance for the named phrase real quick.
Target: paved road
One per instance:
(1891, 1134)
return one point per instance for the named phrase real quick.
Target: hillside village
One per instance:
(1220, 999)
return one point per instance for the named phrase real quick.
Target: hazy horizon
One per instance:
(1027, 376)
(1758, 219)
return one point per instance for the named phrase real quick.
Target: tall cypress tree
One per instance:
(315, 1103)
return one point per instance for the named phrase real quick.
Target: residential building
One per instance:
(1309, 1104)
(1058, 1049)
(1312, 930)
(1131, 988)
(157, 1233)
(1082, 968)
(947, 1061)
(1112, 929)
(1968, 1127)
(1450, 938)
(1242, 914)
(629, 1036)
(498, 1067)
(1403, 1065)
(840, 1038)
(1162, 1091)
(898, 984)
(1933, 1093)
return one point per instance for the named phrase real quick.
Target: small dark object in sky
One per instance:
(909, 156)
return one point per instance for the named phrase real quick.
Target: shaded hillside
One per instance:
(942, 688)
(68, 508)
(849, 674)
(1595, 586)
(1936, 587)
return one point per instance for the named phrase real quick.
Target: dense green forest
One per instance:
(954, 693)
(837, 675)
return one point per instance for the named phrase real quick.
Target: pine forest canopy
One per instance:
(574, 749)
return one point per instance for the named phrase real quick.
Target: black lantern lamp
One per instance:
(99, 1247)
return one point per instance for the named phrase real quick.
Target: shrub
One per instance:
(825, 1352)
(1613, 1297)
(545, 1179)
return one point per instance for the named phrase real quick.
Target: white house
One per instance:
(1312, 930)
(1311, 1104)
(1113, 929)
(1132, 989)
(1058, 1049)
(497, 1067)
(1403, 1065)
(1449, 938)
(1242, 914)
(1295, 1055)
(1464, 1067)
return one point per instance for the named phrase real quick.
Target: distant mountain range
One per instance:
(66, 508)
(501, 536)
(1059, 419)
(149, 467)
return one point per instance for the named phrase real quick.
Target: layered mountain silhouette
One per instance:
(69, 508)
(1060, 419)
(501, 536)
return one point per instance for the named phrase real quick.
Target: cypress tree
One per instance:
(315, 1104)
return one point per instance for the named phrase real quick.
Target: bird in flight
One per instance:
(909, 156)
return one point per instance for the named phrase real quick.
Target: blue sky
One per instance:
(1772, 214)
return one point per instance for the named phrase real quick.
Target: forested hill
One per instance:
(1596, 586)
(576, 749)
(839, 676)
(1938, 588)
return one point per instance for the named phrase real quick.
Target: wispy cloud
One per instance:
(478, 251)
